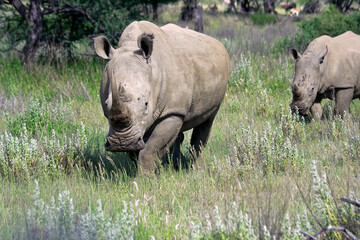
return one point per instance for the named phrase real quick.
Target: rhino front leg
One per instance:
(162, 137)
(316, 110)
(343, 98)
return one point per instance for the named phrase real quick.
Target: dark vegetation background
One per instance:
(268, 174)
(62, 29)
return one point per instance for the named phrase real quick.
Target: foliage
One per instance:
(261, 18)
(331, 22)
(63, 25)
(342, 5)
(40, 115)
(59, 220)
(154, 6)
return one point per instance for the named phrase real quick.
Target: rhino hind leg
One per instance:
(175, 152)
(162, 137)
(199, 138)
(343, 98)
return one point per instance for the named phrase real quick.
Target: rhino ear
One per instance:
(103, 47)
(145, 43)
(294, 54)
(322, 55)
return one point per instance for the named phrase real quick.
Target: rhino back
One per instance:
(202, 72)
(342, 61)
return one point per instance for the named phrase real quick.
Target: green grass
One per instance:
(265, 170)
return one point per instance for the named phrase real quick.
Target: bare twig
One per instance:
(339, 228)
(20, 7)
(331, 191)
(308, 235)
(73, 9)
(307, 205)
(350, 201)
(348, 234)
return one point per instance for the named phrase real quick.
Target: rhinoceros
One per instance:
(329, 68)
(158, 83)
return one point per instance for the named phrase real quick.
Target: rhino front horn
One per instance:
(119, 113)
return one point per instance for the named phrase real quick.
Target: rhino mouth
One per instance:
(119, 145)
(299, 109)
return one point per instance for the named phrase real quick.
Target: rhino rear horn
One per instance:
(145, 43)
(103, 47)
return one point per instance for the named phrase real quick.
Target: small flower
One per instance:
(167, 217)
(136, 186)
(239, 184)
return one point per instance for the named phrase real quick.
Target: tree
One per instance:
(187, 11)
(269, 6)
(311, 6)
(199, 26)
(248, 5)
(54, 23)
(155, 4)
(33, 15)
(342, 5)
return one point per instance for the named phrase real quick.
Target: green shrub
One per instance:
(261, 18)
(43, 116)
(331, 22)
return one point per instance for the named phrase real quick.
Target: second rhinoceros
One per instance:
(329, 68)
(160, 82)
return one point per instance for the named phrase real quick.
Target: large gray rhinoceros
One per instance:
(329, 68)
(160, 82)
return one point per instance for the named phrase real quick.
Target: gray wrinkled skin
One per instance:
(158, 83)
(329, 68)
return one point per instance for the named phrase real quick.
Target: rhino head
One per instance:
(309, 70)
(125, 92)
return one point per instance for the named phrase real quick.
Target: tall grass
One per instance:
(267, 173)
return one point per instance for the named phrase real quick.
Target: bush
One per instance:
(261, 18)
(330, 22)
(42, 116)
(67, 33)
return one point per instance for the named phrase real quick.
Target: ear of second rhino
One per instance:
(294, 54)
(103, 47)
(145, 43)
